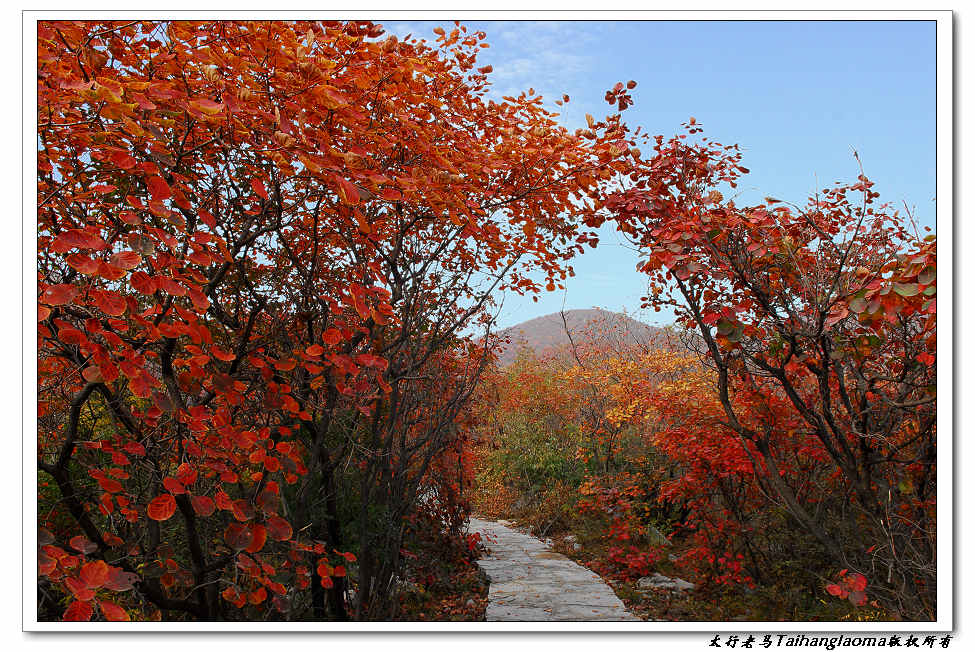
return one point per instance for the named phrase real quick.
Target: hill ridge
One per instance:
(588, 326)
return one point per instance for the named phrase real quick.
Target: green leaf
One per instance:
(737, 333)
(906, 289)
(928, 275)
(858, 305)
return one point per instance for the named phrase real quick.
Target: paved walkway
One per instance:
(530, 582)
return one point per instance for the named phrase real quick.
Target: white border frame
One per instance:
(947, 585)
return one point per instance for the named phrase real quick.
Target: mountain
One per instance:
(548, 333)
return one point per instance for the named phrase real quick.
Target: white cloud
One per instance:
(547, 56)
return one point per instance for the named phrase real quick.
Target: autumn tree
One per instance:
(262, 247)
(819, 324)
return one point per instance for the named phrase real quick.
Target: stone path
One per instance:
(530, 582)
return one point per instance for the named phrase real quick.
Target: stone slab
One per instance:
(532, 583)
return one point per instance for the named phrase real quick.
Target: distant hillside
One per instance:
(546, 334)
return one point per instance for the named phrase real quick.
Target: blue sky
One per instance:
(797, 96)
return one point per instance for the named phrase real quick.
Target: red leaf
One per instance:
(93, 375)
(158, 188)
(78, 611)
(161, 508)
(110, 485)
(56, 295)
(134, 448)
(859, 598)
(82, 544)
(242, 510)
(125, 260)
(123, 160)
(836, 589)
(238, 536)
(110, 303)
(143, 283)
(174, 486)
(223, 500)
(130, 218)
(200, 300)
(347, 190)
(76, 239)
(202, 505)
(120, 580)
(279, 528)
(186, 474)
(260, 537)
(84, 264)
(258, 596)
(370, 360)
(258, 187)
(315, 350)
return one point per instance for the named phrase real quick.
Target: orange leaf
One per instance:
(258, 596)
(205, 105)
(95, 574)
(79, 588)
(112, 612)
(220, 354)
